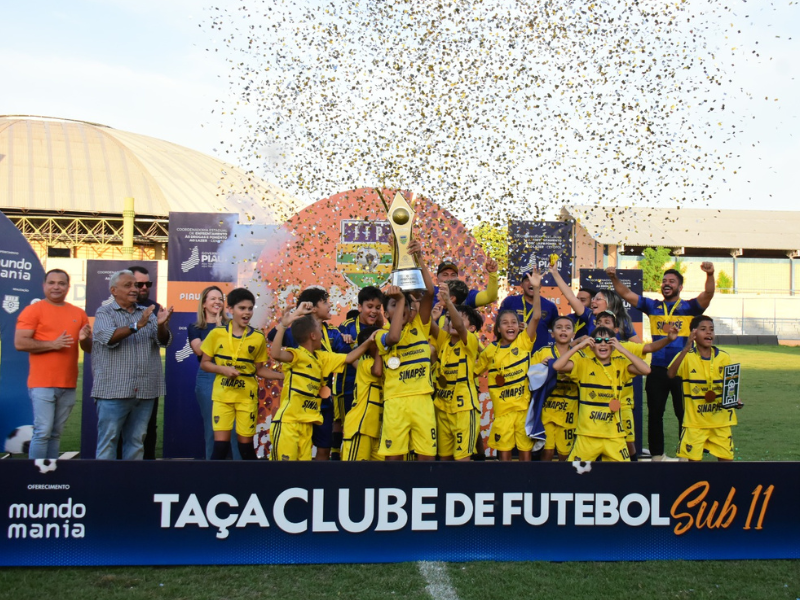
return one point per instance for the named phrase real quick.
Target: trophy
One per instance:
(406, 273)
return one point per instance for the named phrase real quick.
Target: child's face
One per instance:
(390, 310)
(563, 331)
(606, 321)
(509, 327)
(322, 310)
(369, 311)
(316, 337)
(242, 313)
(603, 348)
(452, 330)
(705, 334)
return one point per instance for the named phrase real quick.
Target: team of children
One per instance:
(401, 382)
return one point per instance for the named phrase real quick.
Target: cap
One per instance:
(607, 313)
(447, 263)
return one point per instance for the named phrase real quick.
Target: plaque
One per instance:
(730, 386)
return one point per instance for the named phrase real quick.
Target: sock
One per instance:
(221, 450)
(634, 458)
(336, 450)
(247, 451)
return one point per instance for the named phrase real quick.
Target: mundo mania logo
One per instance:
(363, 254)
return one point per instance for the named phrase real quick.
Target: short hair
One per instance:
(240, 295)
(365, 332)
(386, 299)
(676, 273)
(500, 315)
(138, 269)
(370, 293)
(603, 332)
(458, 289)
(562, 317)
(473, 316)
(112, 281)
(303, 327)
(607, 313)
(351, 314)
(62, 271)
(699, 319)
(591, 291)
(313, 294)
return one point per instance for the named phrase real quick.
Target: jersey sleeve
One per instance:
(28, 318)
(471, 297)
(646, 305)
(337, 342)
(484, 360)
(380, 341)
(695, 308)
(331, 362)
(84, 319)
(634, 348)
(442, 340)
(473, 346)
(524, 341)
(426, 327)
(209, 344)
(579, 362)
(682, 369)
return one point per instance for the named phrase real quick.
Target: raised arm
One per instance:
(453, 315)
(426, 303)
(354, 355)
(536, 281)
(672, 371)
(704, 299)
(276, 351)
(637, 366)
(396, 324)
(564, 364)
(488, 295)
(621, 288)
(577, 305)
(665, 341)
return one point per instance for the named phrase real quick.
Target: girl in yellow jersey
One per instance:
(507, 361)
(601, 375)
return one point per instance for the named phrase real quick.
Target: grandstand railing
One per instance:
(786, 329)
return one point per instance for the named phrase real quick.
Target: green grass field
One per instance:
(767, 430)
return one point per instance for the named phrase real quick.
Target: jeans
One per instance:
(125, 416)
(51, 409)
(202, 391)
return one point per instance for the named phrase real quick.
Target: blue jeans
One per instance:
(51, 409)
(202, 391)
(126, 416)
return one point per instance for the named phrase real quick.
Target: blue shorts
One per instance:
(322, 437)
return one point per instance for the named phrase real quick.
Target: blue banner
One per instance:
(21, 281)
(532, 243)
(98, 276)
(215, 512)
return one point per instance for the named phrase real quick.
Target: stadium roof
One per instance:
(689, 227)
(60, 165)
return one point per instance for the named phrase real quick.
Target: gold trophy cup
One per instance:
(406, 273)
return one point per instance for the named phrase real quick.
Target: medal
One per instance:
(393, 362)
(500, 380)
(324, 392)
(614, 405)
(441, 381)
(710, 396)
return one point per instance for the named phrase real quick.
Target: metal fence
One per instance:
(785, 329)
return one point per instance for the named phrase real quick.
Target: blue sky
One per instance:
(143, 67)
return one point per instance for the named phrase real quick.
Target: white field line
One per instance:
(439, 585)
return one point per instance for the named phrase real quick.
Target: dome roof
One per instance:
(59, 165)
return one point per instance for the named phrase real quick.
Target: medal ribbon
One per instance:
(525, 313)
(710, 374)
(230, 342)
(669, 314)
(614, 381)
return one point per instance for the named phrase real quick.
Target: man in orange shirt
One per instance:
(48, 330)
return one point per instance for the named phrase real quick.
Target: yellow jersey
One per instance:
(699, 376)
(598, 384)
(302, 379)
(241, 352)
(412, 377)
(562, 404)
(507, 368)
(457, 372)
(366, 414)
(627, 398)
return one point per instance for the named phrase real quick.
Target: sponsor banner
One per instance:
(203, 512)
(598, 280)
(195, 262)
(21, 280)
(98, 278)
(532, 243)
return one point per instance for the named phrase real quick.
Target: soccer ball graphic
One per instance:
(19, 440)
(367, 258)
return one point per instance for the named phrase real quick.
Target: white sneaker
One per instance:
(663, 458)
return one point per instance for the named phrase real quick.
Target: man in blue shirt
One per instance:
(523, 306)
(672, 310)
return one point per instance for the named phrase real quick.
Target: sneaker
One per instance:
(663, 458)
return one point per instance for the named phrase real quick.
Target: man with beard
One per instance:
(672, 310)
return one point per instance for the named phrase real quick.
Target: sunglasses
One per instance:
(142, 284)
(602, 340)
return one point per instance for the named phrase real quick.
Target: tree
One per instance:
(494, 241)
(652, 266)
(724, 283)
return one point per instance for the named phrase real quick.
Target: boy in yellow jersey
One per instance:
(362, 423)
(706, 425)
(507, 360)
(409, 421)
(456, 400)
(558, 413)
(601, 374)
(305, 382)
(609, 319)
(237, 354)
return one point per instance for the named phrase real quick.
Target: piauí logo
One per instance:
(191, 262)
(184, 353)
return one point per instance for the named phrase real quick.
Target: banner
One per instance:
(215, 512)
(195, 240)
(98, 276)
(21, 281)
(598, 280)
(531, 243)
